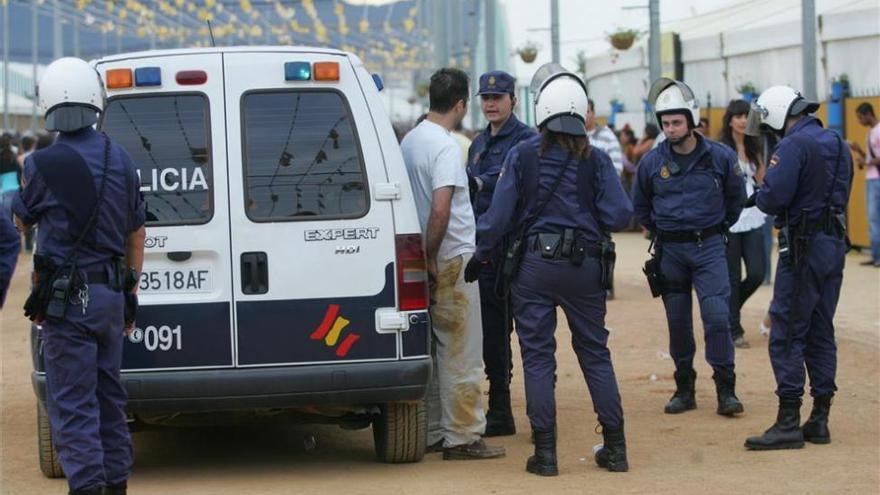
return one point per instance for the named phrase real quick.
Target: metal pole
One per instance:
(654, 41)
(76, 37)
(35, 37)
(57, 33)
(6, 65)
(491, 62)
(554, 28)
(808, 48)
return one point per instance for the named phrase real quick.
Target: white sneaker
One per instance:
(764, 330)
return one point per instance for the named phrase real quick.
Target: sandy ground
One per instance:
(697, 452)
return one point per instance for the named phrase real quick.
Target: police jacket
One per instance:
(486, 155)
(589, 196)
(62, 184)
(708, 192)
(801, 170)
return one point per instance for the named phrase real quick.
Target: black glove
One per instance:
(472, 270)
(751, 201)
(131, 308)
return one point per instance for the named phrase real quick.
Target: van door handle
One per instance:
(179, 255)
(254, 273)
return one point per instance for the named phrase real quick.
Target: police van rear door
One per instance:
(167, 112)
(312, 246)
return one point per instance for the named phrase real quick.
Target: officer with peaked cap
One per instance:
(555, 196)
(84, 194)
(807, 188)
(485, 157)
(688, 191)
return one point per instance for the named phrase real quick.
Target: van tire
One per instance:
(49, 463)
(400, 432)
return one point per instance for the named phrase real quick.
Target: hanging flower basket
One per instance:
(412, 100)
(422, 89)
(528, 52)
(623, 39)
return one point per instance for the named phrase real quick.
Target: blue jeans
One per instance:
(872, 198)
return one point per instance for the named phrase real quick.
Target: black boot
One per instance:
(785, 433)
(499, 419)
(683, 399)
(725, 389)
(612, 455)
(816, 428)
(543, 463)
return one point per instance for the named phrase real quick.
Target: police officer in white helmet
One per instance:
(84, 193)
(688, 191)
(556, 198)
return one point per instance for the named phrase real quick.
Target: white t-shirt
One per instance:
(750, 218)
(433, 160)
(873, 150)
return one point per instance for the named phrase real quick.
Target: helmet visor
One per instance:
(662, 84)
(550, 71)
(755, 120)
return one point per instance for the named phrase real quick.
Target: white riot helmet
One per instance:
(70, 95)
(774, 106)
(560, 100)
(668, 96)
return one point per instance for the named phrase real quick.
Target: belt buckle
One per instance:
(699, 235)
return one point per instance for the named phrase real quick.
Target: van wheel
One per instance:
(400, 432)
(49, 464)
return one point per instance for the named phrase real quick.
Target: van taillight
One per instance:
(412, 276)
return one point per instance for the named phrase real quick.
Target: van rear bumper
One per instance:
(277, 387)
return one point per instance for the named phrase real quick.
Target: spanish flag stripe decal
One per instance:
(329, 318)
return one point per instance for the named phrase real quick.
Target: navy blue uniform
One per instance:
(704, 196)
(83, 352)
(590, 199)
(485, 158)
(800, 180)
(10, 244)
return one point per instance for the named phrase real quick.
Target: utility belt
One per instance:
(794, 239)
(572, 246)
(657, 282)
(53, 287)
(697, 236)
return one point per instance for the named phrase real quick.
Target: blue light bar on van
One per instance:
(297, 71)
(147, 76)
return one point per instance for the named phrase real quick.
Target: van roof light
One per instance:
(326, 71)
(118, 78)
(191, 77)
(297, 71)
(147, 76)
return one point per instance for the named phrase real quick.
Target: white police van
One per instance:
(284, 270)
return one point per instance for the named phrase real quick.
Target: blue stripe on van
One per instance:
(179, 336)
(310, 330)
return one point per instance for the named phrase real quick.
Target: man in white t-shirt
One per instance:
(456, 420)
(870, 159)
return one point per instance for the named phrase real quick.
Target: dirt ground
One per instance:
(697, 452)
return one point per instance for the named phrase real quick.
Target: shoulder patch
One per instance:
(774, 160)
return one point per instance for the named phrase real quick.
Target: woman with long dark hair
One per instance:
(746, 239)
(10, 173)
(556, 196)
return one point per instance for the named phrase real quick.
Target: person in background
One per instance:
(703, 128)
(869, 159)
(602, 137)
(10, 172)
(464, 142)
(9, 246)
(647, 142)
(746, 237)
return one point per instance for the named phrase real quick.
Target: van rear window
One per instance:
(302, 159)
(167, 137)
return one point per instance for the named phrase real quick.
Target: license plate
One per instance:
(169, 281)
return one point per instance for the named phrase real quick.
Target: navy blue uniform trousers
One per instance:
(86, 399)
(705, 265)
(540, 286)
(497, 327)
(817, 289)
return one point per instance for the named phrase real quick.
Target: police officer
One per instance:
(83, 191)
(485, 157)
(807, 187)
(10, 244)
(688, 190)
(555, 196)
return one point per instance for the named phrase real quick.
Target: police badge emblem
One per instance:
(491, 80)
(664, 172)
(774, 160)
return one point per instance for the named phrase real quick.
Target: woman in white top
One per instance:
(746, 241)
